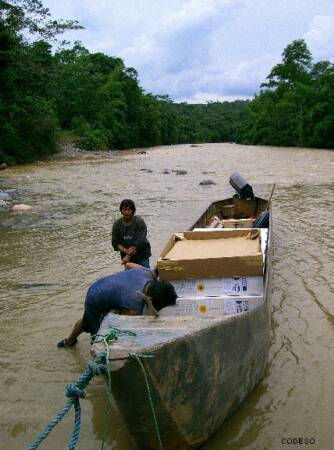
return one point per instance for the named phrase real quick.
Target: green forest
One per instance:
(47, 95)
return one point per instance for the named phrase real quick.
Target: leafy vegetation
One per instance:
(96, 98)
(28, 119)
(296, 106)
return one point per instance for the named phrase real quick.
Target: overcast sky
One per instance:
(200, 50)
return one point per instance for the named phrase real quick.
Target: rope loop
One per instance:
(112, 335)
(73, 392)
(96, 368)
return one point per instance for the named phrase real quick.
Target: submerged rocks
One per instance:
(6, 202)
(207, 183)
(180, 172)
(175, 171)
(5, 196)
(3, 166)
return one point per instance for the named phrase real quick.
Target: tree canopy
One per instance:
(296, 108)
(98, 100)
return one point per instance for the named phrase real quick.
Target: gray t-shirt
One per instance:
(132, 235)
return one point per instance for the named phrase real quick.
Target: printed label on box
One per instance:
(199, 307)
(219, 286)
(236, 306)
(212, 306)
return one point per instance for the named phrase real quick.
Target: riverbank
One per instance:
(68, 151)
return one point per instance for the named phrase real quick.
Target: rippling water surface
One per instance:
(49, 257)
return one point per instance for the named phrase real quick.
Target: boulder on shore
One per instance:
(21, 207)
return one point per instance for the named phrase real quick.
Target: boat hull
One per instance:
(196, 382)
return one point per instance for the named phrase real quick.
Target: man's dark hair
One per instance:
(127, 203)
(162, 293)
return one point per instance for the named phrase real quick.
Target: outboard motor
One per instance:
(242, 188)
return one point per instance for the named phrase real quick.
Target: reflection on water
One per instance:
(49, 257)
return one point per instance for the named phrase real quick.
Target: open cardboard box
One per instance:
(211, 254)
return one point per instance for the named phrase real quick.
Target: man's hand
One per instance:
(131, 265)
(131, 251)
(126, 259)
(121, 248)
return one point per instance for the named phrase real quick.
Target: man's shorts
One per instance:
(91, 321)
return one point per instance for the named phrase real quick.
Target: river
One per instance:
(50, 255)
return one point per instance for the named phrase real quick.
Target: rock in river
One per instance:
(21, 207)
(4, 196)
(207, 183)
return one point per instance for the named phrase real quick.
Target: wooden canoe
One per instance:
(202, 368)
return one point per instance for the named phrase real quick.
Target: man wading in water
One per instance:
(128, 236)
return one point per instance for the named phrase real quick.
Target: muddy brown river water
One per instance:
(49, 256)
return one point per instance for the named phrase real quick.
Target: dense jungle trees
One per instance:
(28, 120)
(99, 102)
(296, 108)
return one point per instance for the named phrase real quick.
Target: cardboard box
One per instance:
(215, 287)
(212, 306)
(263, 233)
(211, 254)
(238, 223)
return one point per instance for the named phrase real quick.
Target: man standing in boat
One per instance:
(129, 236)
(124, 292)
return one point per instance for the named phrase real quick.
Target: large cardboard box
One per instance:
(215, 287)
(211, 254)
(212, 306)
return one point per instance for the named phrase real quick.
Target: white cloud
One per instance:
(320, 38)
(190, 49)
(176, 57)
(181, 37)
(206, 97)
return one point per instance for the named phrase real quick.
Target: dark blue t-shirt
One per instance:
(119, 291)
